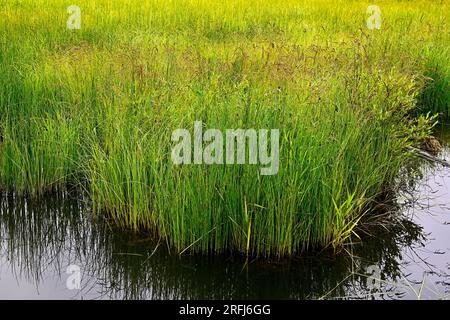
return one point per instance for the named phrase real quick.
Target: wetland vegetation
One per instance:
(94, 109)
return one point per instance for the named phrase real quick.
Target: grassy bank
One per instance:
(97, 106)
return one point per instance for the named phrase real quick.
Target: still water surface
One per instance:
(409, 259)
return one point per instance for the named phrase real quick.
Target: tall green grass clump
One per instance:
(97, 107)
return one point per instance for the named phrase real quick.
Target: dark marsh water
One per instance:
(40, 239)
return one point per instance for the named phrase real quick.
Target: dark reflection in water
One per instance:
(406, 257)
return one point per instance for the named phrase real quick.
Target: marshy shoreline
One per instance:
(41, 237)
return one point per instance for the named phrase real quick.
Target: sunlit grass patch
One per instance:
(97, 106)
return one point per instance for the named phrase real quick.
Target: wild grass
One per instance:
(97, 106)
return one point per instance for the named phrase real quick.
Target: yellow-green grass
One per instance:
(97, 106)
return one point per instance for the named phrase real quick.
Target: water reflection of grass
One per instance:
(40, 237)
(402, 288)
